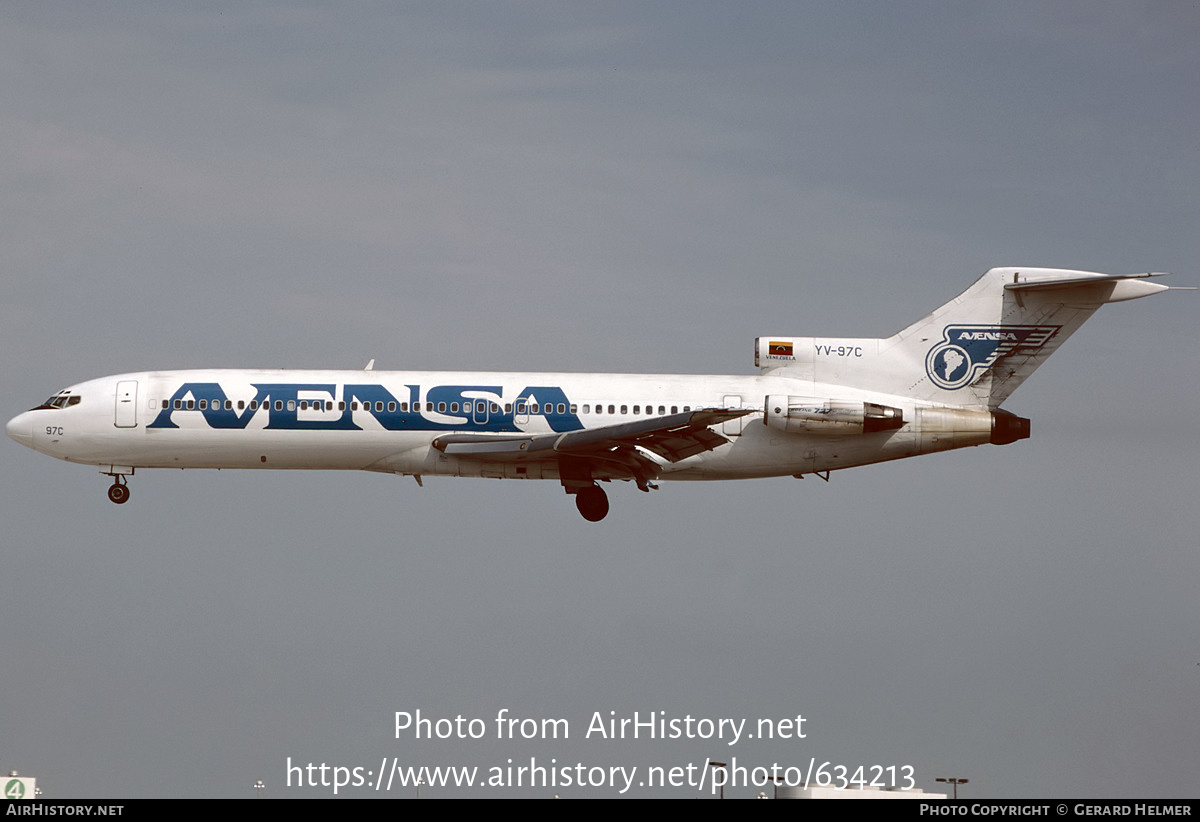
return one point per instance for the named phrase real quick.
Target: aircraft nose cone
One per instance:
(20, 428)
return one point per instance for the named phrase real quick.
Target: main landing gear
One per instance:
(118, 492)
(592, 503)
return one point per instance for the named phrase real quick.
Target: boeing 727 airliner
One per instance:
(816, 405)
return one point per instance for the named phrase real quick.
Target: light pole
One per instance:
(955, 781)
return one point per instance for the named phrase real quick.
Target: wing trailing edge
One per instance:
(673, 437)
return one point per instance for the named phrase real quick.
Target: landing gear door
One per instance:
(126, 407)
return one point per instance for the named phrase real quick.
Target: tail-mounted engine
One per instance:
(804, 415)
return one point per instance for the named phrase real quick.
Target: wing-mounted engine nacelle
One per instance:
(804, 415)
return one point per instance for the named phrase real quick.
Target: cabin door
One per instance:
(125, 413)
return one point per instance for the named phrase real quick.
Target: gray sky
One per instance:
(599, 187)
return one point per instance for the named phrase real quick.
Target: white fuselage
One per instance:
(816, 405)
(387, 421)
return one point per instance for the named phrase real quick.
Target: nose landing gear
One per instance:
(118, 492)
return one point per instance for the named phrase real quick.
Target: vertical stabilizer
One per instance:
(978, 348)
(972, 352)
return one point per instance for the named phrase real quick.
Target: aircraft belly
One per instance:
(235, 449)
(865, 450)
(776, 454)
(533, 469)
(757, 453)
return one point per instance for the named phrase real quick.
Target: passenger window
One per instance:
(303, 405)
(203, 404)
(291, 405)
(454, 407)
(241, 405)
(278, 405)
(441, 408)
(167, 404)
(637, 409)
(341, 405)
(391, 407)
(674, 409)
(508, 408)
(253, 405)
(612, 409)
(562, 408)
(586, 408)
(624, 409)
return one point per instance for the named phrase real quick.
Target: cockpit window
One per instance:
(60, 400)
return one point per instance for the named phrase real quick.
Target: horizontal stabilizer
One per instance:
(1122, 286)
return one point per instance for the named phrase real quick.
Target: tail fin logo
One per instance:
(967, 351)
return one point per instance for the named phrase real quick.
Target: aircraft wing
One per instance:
(615, 449)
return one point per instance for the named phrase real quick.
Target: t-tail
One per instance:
(975, 350)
